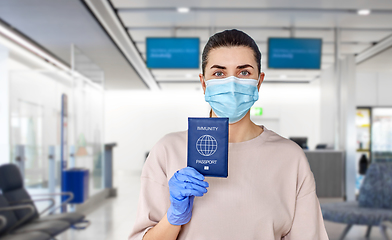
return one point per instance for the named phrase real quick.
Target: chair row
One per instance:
(374, 205)
(19, 218)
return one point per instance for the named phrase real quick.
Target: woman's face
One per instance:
(224, 62)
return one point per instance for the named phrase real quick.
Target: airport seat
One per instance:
(374, 205)
(386, 225)
(11, 184)
(3, 222)
(27, 236)
(11, 226)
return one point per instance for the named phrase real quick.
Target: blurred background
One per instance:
(92, 85)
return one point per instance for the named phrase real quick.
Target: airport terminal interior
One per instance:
(88, 87)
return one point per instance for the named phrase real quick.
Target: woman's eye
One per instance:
(218, 74)
(245, 73)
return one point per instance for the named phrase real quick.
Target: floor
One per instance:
(114, 219)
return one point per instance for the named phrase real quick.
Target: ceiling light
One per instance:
(363, 12)
(183, 10)
(283, 76)
(188, 75)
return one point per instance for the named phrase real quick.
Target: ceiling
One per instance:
(380, 63)
(56, 24)
(261, 19)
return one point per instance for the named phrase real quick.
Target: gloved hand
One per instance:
(184, 185)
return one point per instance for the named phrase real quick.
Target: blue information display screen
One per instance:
(294, 53)
(173, 52)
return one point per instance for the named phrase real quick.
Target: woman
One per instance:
(270, 190)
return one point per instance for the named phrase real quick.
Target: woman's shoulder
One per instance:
(170, 141)
(162, 152)
(289, 152)
(173, 138)
(280, 142)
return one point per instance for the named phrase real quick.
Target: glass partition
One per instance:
(382, 134)
(363, 156)
(35, 110)
(88, 131)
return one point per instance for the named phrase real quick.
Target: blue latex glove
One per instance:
(184, 185)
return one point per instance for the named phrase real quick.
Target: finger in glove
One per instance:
(190, 171)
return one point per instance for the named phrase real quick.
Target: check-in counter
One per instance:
(328, 167)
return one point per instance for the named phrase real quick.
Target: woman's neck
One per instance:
(243, 130)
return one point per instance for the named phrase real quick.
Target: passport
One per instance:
(208, 146)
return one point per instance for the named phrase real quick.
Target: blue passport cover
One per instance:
(208, 146)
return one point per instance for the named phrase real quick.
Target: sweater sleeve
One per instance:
(308, 223)
(154, 198)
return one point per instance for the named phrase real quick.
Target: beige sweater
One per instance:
(269, 193)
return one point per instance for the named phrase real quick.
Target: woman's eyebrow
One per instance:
(244, 66)
(218, 66)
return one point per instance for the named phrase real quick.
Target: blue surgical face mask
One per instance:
(231, 97)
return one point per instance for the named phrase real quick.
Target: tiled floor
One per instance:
(114, 219)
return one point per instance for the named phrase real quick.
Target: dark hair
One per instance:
(230, 38)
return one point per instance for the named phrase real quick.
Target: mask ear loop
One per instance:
(210, 113)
